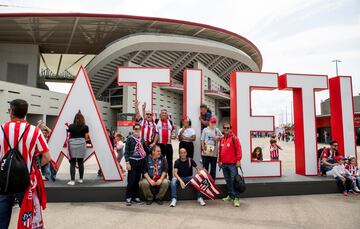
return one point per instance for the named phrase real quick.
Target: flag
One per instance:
(30, 215)
(205, 184)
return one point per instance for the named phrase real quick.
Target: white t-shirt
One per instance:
(188, 132)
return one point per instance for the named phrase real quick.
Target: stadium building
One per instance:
(45, 47)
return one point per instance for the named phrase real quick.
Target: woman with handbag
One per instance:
(229, 160)
(209, 146)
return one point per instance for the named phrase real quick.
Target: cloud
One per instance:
(293, 36)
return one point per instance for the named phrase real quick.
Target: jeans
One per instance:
(80, 162)
(133, 178)
(207, 160)
(344, 186)
(230, 171)
(149, 191)
(167, 152)
(175, 182)
(6, 206)
(326, 168)
(358, 182)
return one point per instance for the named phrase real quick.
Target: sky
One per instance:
(293, 36)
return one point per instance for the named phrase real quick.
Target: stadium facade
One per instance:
(36, 48)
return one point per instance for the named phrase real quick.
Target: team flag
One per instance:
(203, 182)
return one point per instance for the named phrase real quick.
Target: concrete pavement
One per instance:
(313, 211)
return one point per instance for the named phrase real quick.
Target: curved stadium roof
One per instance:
(82, 33)
(67, 40)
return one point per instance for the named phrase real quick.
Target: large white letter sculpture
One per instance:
(192, 99)
(303, 88)
(144, 78)
(241, 84)
(342, 114)
(81, 98)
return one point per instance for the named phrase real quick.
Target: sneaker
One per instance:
(149, 202)
(81, 181)
(356, 189)
(345, 193)
(236, 202)
(173, 202)
(227, 199)
(72, 183)
(128, 202)
(137, 200)
(352, 192)
(159, 201)
(201, 201)
(16, 204)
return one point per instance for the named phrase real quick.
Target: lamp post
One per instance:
(336, 63)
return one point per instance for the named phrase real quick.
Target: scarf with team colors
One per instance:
(30, 215)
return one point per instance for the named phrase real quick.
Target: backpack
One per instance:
(239, 180)
(320, 152)
(14, 174)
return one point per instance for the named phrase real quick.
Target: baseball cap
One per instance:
(212, 120)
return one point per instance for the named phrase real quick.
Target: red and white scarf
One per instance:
(30, 215)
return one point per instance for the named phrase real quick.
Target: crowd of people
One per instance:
(149, 156)
(343, 169)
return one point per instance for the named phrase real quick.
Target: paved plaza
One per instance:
(312, 211)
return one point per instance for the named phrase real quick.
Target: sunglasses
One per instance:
(149, 114)
(226, 128)
(137, 129)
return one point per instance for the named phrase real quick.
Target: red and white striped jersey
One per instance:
(33, 139)
(327, 153)
(352, 169)
(274, 152)
(148, 130)
(164, 128)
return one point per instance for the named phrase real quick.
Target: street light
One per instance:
(336, 63)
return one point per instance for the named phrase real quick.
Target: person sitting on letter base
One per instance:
(344, 183)
(183, 173)
(154, 180)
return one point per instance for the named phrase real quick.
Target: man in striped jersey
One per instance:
(32, 139)
(165, 129)
(148, 128)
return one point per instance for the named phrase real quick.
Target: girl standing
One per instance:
(78, 134)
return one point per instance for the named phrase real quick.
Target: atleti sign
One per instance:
(303, 88)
